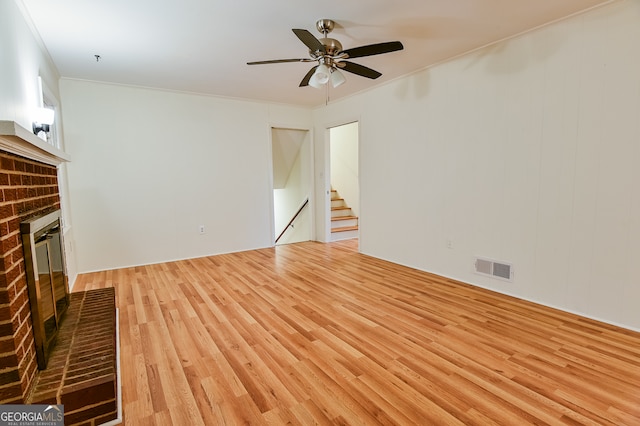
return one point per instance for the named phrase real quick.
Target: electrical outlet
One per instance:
(449, 243)
(201, 229)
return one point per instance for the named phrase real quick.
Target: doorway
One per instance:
(345, 181)
(292, 185)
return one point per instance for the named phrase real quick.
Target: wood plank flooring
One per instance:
(315, 333)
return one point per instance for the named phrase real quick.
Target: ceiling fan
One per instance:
(328, 53)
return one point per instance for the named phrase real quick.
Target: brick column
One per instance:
(27, 188)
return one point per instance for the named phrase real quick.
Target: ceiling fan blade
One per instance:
(358, 69)
(305, 80)
(309, 40)
(373, 49)
(277, 61)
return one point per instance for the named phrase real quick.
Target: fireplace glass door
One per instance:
(51, 282)
(46, 280)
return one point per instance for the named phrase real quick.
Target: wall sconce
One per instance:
(44, 119)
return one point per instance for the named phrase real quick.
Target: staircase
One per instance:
(344, 224)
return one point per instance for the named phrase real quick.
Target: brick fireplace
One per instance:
(82, 370)
(27, 188)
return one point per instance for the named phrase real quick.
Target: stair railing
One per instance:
(295, 216)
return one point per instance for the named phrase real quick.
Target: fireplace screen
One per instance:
(46, 279)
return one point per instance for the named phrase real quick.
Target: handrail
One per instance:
(293, 218)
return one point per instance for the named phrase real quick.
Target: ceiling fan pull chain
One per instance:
(326, 99)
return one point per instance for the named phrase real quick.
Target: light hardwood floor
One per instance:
(317, 333)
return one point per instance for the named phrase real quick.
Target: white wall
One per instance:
(151, 166)
(22, 60)
(525, 152)
(344, 164)
(297, 188)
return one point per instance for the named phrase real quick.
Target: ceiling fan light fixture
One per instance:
(314, 83)
(337, 78)
(320, 77)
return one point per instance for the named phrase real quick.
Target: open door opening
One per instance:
(345, 192)
(292, 185)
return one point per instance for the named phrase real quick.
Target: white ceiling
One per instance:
(202, 46)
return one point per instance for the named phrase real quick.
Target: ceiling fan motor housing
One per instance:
(331, 45)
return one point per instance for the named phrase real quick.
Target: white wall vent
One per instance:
(493, 268)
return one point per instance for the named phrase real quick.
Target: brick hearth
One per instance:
(81, 373)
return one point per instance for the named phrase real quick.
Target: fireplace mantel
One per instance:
(20, 141)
